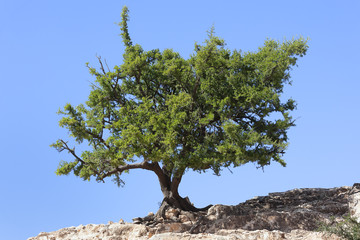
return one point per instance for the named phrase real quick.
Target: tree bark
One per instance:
(169, 187)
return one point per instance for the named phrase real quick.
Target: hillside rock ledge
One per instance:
(293, 214)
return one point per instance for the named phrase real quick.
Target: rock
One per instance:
(92, 232)
(354, 201)
(171, 213)
(294, 214)
(191, 216)
(184, 218)
(295, 209)
(137, 220)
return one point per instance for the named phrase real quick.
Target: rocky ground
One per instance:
(293, 214)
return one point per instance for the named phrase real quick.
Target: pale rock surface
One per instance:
(293, 215)
(246, 235)
(354, 201)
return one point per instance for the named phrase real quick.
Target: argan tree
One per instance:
(163, 113)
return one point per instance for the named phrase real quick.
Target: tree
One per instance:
(160, 112)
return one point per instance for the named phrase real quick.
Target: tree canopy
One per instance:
(161, 112)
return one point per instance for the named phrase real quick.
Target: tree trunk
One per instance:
(172, 199)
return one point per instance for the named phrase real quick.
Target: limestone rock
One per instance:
(247, 235)
(93, 232)
(354, 201)
(295, 209)
(294, 214)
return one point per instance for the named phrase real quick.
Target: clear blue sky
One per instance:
(44, 46)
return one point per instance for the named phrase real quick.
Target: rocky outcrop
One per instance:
(141, 232)
(294, 214)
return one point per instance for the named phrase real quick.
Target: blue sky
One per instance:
(44, 46)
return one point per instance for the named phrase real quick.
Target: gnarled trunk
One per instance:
(169, 187)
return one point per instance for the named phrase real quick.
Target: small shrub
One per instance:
(348, 229)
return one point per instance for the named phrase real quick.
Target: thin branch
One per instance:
(72, 151)
(103, 123)
(108, 121)
(267, 78)
(93, 85)
(107, 65)
(197, 84)
(143, 165)
(137, 79)
(101, 64)
(229, 170)
(97, 137)
(156, 92)
(116, 91)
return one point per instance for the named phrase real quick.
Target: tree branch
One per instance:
(176, 180)
(107, 65)
(97, 137)
(101, 64)
(267, 78)
(72, 151)
(143, 165)
(197, 84)
(137, 79)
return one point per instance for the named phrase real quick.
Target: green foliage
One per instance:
(213, 110)
(349, 228)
